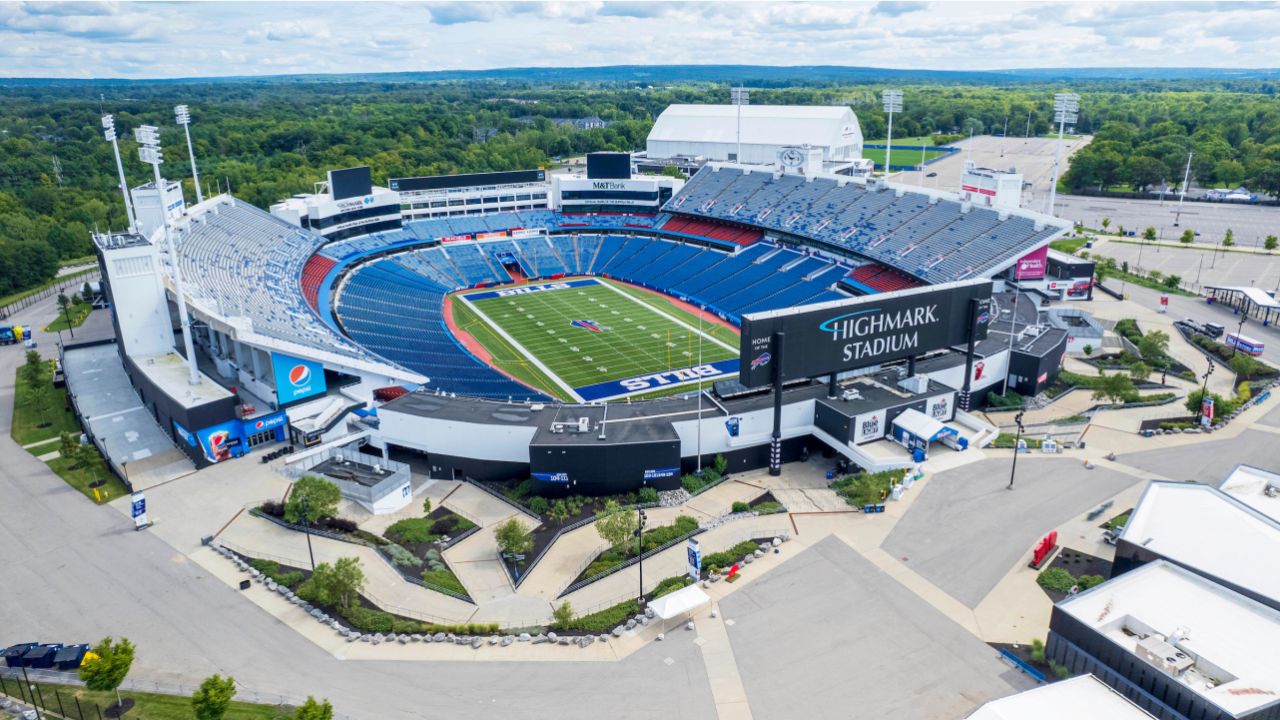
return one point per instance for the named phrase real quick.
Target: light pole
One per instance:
(892, 100)
(306, 524)
(1066, 108)
(109, 132)
(149, 150)
(1008, 371)
(643, 519)
(1204, 389)
(1017, 439)
(740, 96)
(183, 115)
(1186, 177)
(703, 309)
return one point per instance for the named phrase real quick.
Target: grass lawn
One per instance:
(75, 313)
(27, 417)
(925, 140)
(593, 333)
(902, 154)
(79, 478)
(1068, 245)
(151, 706)
(503, 355)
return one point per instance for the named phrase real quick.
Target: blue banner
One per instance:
(185, 434)
(658, 380)
(222, 441)
(530, 289)
(296, 378)
(661, 473)
(552, 477)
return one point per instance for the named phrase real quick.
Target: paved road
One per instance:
(1199, 266)
(1033, 157)
(1211, 462)
(1199, 310)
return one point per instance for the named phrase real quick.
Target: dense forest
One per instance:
(268, 140)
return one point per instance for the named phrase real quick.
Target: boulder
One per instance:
(524, 637)
(271, 585)
(439, 637)
(661, 636)
(748, 559)
(353, 636)
(403, 639)
(493, 639)
(476, 643)
(604, 637)
(759, 552)
(631, 624)
(648, 612)
(688, 625)
(507, 640)
(539, 640)
(776, 542)
(617, 632)
(415, 638)
(564, 640)
(551, 636)
(366, 638)
(588, 640)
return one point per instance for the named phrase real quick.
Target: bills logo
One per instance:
(984, 318)
(587, 325)
(299, 376)
(761, 361)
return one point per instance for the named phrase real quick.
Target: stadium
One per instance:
(583, 330)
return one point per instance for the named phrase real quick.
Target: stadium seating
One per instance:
(934, 240)
(249, 264)
(313, 273)
(697, 227)
(882, 279)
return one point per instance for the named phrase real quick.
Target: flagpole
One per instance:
(700, 389)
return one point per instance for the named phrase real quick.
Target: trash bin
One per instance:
(13, 654)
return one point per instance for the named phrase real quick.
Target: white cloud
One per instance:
(138, 39)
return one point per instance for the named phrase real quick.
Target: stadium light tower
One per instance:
(183, 116)
(1066, 108)
(148, 137)
(892, 104)
(739, 96)
(109, 132)
(1186, 178)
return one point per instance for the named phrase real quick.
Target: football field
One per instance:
(588, 339)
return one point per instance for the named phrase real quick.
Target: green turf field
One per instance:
(902, 154)
(532, 336)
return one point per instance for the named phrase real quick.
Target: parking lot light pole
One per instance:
(1017, 439)
(1186, 177)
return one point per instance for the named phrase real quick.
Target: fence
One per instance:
(366, 495)
(628, 563)
(54, 694)
(62, 284)
(1022, 665)
(561, 532)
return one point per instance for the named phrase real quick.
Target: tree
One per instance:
(426, 506)
(1149, 234)
(1139, 371)
(1270, 243)
(64, 304)
(616, 524)
(1241, 365)
(559, 511)
(1117, 388)
(1228, 172)
(1154, 346)
(323, 499)
(312, 710)
(720, 464)
(672, 171)
(211, 700)
(109, 668)
(69, 448)
(1106, 223)
(1144, 171)
(512, 536)
(337, 585)
(1188, 237)
(563, 613)
(33, 369)
(1172, 281)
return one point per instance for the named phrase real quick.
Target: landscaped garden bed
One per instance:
(1244, 366)
(652, 539)
(1072, 569)
(865, 488)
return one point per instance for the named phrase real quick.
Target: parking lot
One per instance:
(1249, 223)
(1199, 267)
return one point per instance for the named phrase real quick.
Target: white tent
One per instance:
(680, 602)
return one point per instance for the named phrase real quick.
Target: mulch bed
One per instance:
(767, 497)
(1023, 652)
(1077, 563)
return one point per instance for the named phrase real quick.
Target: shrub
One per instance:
(1010, 399)
(563, 613)
(270, 568)
(727, 558)
(401, 557)
(340, 524)
(1060, 670)
(537, 505)
(272, 508)
(416, 531)
(740, 507)
(602, 621)
(1056, 580)
(647, 495)
(691, 483)
(323, 496)
(1087, 581)
(666, 533)
(768, 508)
(670, 585)
(1037, 651)
(368, 620)
(513, 537)
(522, 490)
(406, 627)
(290, 580)
(1088, 349)
(443, 578)
(865, 488)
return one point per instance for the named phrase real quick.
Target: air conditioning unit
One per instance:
(1164, 656)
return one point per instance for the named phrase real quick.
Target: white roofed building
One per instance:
(1255, 487)
(1084, 696)
(711, 133)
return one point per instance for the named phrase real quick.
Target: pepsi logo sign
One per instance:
(299, 375)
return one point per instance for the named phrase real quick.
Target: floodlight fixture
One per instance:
(892, 103)
(183, 115)
(109, 132)
(1066, 109)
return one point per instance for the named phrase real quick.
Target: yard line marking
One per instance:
(528, 355)
(677, 321)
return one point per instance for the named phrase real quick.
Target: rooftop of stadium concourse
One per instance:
(169, 372)
(877, 392)
(601, 425)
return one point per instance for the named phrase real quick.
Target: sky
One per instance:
(202, 39)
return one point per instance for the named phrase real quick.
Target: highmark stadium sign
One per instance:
(849, 334)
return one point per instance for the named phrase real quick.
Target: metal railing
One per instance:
(60, 285)
(54, 693)
(582, 522)
(629, 562)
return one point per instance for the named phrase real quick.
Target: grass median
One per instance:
(63, 699)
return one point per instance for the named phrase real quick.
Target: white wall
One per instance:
(505, 443)
(140, 305)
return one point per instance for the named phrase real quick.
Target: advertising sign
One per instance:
(296, 378)
(222, 441)
(1032, 265)
(185, 434)
(138, 510)
(847, 334)
(1206, 411)
(939, 408)
(560, 478)
(870, 426)
(695, 558)
(660, 473)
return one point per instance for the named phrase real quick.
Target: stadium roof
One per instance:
(1232, 639)
(1080, 697)
(817, 125)
(1201, 527)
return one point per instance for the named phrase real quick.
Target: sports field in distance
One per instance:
(588, 339)
(903, 154)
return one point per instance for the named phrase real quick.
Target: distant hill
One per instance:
(758, 75)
